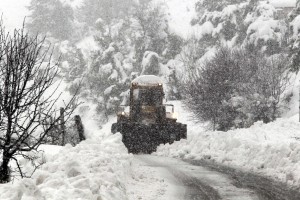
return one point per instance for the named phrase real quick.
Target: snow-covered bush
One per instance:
(208, 87)
(237, 87)
(265, 90)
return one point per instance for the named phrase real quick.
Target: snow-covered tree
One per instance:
(150, 29)
(91, 10)
(215, 5)
(240, 22)
(108, 75)
(52, 18)
(294, 19)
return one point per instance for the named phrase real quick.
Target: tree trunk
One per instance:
(80, 128)
(4, 169)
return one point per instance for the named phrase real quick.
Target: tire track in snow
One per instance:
(200, 183)
(265, 188)
(195, 190)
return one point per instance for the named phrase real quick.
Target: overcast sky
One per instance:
(13, 12)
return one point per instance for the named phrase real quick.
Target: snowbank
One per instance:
(272, 149)
(94, 169)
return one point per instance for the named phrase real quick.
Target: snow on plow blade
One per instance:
(141, 138)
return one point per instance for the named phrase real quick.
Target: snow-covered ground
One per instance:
(94, 169)
(149, 182)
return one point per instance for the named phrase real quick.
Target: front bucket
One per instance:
(141, 138)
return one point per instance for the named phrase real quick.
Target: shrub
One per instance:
(236, 87)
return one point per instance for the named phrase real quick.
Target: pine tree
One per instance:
(237, 22)
(151, 29)
(215, 5)
(294, 43)
(108, 76)
(51, 18)
(107, 10)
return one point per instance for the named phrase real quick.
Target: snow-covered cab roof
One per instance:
(147, 80)
(283, 3)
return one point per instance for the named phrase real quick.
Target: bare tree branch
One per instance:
(27, 74)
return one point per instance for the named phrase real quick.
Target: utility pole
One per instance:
(62, 126)
(80, 128)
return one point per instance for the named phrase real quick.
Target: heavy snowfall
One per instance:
(229, 67)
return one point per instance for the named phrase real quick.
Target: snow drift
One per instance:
(94, 169)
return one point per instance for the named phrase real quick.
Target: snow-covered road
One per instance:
(158, 178)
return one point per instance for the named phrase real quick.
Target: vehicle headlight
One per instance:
(174, 115)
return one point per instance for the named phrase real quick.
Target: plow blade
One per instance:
(141, 138)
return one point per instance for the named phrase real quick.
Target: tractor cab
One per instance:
(148, 124)
(146, 102)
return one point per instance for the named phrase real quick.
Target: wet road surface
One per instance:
(265, 188)
(204, 180)
(200, 183)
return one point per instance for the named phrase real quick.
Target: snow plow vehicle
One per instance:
(148, 123)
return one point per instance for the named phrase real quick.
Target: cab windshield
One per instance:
(147, 97)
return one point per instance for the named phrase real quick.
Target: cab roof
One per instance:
(147, 80)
